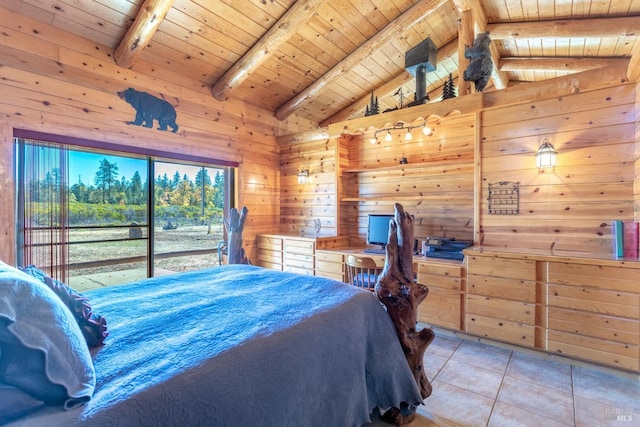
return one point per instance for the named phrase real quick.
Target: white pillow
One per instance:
(42, 349)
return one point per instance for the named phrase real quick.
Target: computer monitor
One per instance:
(378, 229)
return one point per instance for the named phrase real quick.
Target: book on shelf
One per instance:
(630, 239)
(617, 238)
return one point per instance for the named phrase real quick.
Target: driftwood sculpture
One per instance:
(398, 291)
(236, 226)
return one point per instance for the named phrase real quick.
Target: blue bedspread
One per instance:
(240, 346)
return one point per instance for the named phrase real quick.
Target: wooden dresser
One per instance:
(568, 304)
(298, 254)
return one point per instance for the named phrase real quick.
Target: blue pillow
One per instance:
(42, 350)
(92, 325)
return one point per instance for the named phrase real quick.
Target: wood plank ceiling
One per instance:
(322, 59)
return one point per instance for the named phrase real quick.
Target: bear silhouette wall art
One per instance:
(149, 108)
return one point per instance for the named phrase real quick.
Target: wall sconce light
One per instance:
(546, 155)
(426, 130)
(303, 176)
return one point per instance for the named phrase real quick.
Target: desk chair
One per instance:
(362, 271)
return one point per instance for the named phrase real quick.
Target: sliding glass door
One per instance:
(189, 203)
(94, 218)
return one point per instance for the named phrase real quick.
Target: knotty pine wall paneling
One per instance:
(301, 205)
(436, 185)
(569, 207)
(55, 82)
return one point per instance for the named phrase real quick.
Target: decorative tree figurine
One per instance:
(373, 107)
(449, 90)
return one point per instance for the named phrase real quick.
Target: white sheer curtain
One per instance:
(43, 206)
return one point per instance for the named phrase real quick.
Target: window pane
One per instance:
(189, 206)
(107, 189)
(108, 219)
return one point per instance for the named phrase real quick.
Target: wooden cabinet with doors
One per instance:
(330, 264)
(445, 279)
(501, 299)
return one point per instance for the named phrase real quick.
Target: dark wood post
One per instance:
(399, 292)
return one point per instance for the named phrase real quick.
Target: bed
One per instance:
(234, 345)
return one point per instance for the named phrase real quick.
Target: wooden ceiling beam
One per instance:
(140, 33)
(395, 27)
(569, 28)
(465, 39)
(633, 69)
(573, 65)
(297, 15)
(533, 92)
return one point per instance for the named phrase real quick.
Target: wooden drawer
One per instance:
(593, 349)
(298, 260)
(269, 243)
(511, 311)
(441, 308)
(447, 276)
(434, 281)
(449, 270)
(329, 257)
(594, 300)
(595, 325)
(508, 288)
(597, 276)
(292, 256)
(502, 267)
(270, 256)
(299, 246)
(512, 332)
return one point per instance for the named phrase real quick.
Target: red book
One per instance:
(630, 240)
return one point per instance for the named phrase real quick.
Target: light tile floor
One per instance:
(480, 384)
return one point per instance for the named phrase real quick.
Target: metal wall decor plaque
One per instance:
(504, 198)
